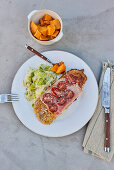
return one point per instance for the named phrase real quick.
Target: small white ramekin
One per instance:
(36, 15)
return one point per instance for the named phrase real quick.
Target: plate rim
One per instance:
(38, 133)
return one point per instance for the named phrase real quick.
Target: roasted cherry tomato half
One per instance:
(56, 92)
(53, 107)
(61, 100)
(62, 85)
(71, 79)
(47, 98)
(69, 94)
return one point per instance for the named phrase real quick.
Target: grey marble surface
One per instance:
(89, 34)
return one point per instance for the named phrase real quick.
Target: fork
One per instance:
(5, 98)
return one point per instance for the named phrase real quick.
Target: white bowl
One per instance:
(36, 15)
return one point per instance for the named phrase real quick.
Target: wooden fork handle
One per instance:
(38, 54)
(107, 132)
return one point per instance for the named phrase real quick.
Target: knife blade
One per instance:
(106, 105)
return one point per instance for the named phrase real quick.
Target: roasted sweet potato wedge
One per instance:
(55, 33)
(47, 17)
(37, 34)
(42, 22)
(43, 30)
(60, 63)
(33, 27)
(55, 67)
(50, 29)
(47, 22)
(61, 69)
(56, 23)
(43, 38)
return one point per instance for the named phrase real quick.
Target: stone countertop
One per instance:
(89, 34)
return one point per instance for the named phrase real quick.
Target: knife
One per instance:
(106, 105)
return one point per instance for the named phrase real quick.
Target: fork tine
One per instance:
(14, 97)
(13, 94)
(12, 100)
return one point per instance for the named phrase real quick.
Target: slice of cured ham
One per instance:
(61, 98)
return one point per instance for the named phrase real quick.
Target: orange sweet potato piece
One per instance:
(43, 38)
(33, 27)
(55, 34)
(47, 17)
(46, 22)
(57, 24)
(61, 69)
(49, 37)
(37, 34)
(51, 29)
(39, 27)
(42, 22)
(60, 63)
(55, 68)
(43, 30)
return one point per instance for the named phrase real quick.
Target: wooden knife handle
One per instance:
(38, 54)
(107, 132)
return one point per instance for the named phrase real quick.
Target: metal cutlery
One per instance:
(38, 54)
(106, 105)
(5, 98)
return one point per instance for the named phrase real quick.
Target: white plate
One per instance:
(72, 119)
